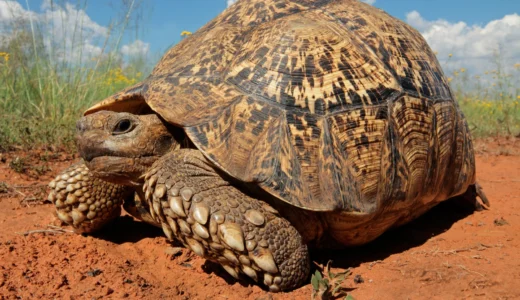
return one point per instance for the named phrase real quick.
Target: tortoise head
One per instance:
(119, 146)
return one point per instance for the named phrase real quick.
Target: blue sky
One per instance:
(472, 31)
(165, 19)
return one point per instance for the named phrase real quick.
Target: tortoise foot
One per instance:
(84, 202)
(220, 223)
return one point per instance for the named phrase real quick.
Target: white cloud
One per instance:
(68, 32)
(473, 47)
(137, 48)
(12, 10)
(371, 2)
(231, 2)
(71, 32)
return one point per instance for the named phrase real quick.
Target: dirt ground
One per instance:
(449, 253)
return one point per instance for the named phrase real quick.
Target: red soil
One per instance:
(449, 253)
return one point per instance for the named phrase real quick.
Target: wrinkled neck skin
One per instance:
(120, 147)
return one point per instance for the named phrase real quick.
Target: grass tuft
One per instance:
(46, 85)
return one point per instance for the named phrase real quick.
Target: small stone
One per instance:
(173, 251)
(358, 279)
(500, 222)
(94, 272)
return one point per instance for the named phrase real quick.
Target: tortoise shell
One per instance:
(325, 104)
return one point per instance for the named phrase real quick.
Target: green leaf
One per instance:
(350, 297)
(325, 282)
(327, 268)
(315, 283)
(318, 275)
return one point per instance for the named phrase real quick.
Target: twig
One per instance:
(53, 230)
(468, 270)
(501, 181)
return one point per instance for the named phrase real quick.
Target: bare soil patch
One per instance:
(451, 252)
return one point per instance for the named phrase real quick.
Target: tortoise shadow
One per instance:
(434, 222)
(126, 229)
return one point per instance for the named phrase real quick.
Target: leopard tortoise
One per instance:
(278, 126)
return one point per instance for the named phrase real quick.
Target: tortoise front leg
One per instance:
(85, 202)
(220, 223)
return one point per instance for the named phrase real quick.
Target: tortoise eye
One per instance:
(123, 126)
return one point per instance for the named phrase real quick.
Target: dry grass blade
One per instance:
(50, 230)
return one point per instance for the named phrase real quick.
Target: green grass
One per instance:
(41, 96)
(490, 101)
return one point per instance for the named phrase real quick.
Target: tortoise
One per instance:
(279, 126)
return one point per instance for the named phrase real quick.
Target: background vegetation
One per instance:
(41, 95)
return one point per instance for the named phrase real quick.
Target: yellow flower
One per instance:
(517, 66)
(5, 55)
(487, 72)
(518, 97)
(455, 73)
(185, 33)
(450, 55)
(450, 79)
(462, 70)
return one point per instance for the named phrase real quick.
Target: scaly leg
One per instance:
(217, 221)
(85, 202)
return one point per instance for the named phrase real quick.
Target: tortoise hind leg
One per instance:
(475, 197)
(480, 194)
(217, 221)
